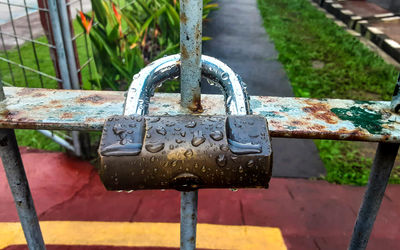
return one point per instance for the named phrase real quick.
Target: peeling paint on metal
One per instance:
(287, 116)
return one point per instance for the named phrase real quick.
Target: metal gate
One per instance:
(373, 121)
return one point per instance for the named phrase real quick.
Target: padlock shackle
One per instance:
(167, 68)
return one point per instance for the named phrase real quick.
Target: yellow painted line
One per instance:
(143, 234)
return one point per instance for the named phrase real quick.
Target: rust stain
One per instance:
(196, 105)
(38, 95)
(317, 127)
(184, 52)
(26, 91)
(9, 115)
(94, 99)
(183, 18)
(321, 111)
(54, 102)
(67, 115)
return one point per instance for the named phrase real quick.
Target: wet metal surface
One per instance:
(185, 152)
(287, 116)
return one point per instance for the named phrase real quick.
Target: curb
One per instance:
(364, 25)
(377, 36)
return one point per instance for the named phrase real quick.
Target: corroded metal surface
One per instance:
(287, 117)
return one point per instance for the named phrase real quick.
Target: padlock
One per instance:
(185, 152)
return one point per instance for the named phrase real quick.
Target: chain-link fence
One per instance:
(42, 45)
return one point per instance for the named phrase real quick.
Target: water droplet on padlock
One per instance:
(155, 119)
(198, 138)
(155, 147)
(179, 141)
(234, 157)
(161, 130)
(224, 76)
(234, 189)
(174, 163)
(123, 141)
(240, 169)
(118, 129)
(196, 165)
(188, 153)
(221, 160)
(152, 159)
(224, 147)
(170, 124)
(250, 163)
(191, 124)
(217, 135)
(203, 169)
(171, 147)
(177, 129)
(183, 133)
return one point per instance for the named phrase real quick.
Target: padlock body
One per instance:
(185, 152)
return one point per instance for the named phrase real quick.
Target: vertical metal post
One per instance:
(58, 40)
(378, 179)
(19, 186)
(188, 219)
(69, 50)
(191, 12)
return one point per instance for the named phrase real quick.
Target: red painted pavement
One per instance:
(310, 214)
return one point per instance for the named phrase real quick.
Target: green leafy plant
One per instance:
(125, 39)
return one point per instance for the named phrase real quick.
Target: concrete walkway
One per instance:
(77, 213)
(240, 40)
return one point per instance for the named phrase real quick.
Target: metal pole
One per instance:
(58, 40)
(19, 186)
(69, 50)
(191, 12)
(378, 179)
(188, 219)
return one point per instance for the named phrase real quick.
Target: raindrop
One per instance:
(224, 76)
(148, 136)
(171, 147)
(177, 129)
(203, 169)
(191, 124)
(196, 165)
(217, 135)
(234, 157)
(179, 141)
(234, 189)
(129, 191)
(174, 163)
(152, 159)
(123, 141)
(160, 130)
(155, 119)
(240, 169)
(221, 160)
(155, 147)
(224, 147)
(198, 139)
(250, 163)
(188, 153)
(118, 130)
(183, 133)
(170, 124)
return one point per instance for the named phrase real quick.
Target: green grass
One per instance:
(323, 61)
(31, 138)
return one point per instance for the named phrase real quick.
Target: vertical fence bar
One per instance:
(19, 186)
(58, 40)
(188, 219)
(191, 12)
(378, 179)
(69, 50)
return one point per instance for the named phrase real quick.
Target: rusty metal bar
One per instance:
(191, 12)
(378, 180)
(19, 186)
(28, 108)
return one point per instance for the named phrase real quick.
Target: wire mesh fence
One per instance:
(28, 44)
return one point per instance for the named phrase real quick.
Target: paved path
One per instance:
(309, 215)
(240, 40)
